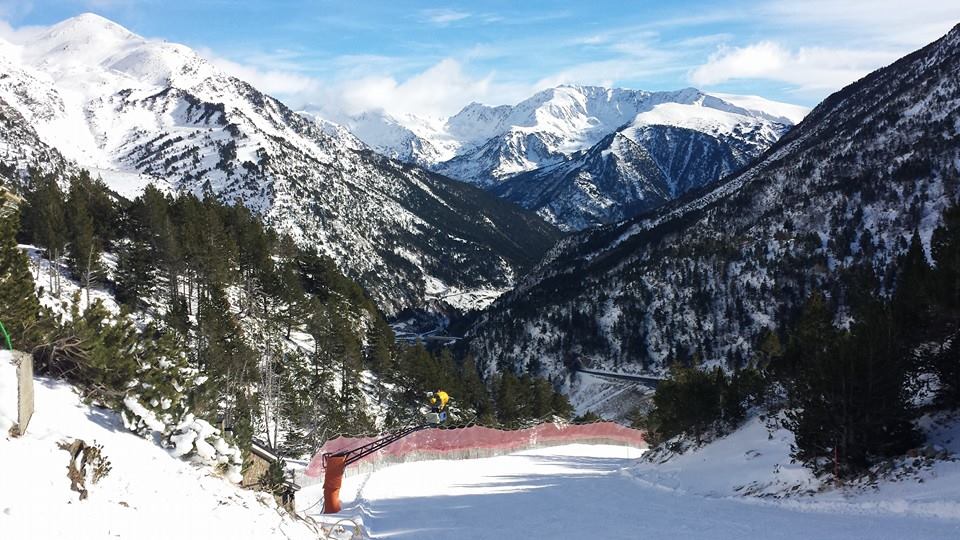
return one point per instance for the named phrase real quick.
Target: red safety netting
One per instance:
(460, 442)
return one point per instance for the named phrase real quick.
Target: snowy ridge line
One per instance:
(472, 443)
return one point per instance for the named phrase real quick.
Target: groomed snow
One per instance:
(586, 491)
(147, 494)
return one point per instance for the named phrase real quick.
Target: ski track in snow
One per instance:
(584, 491)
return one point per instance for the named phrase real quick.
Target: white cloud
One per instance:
(441, 90)
(272, 81)
(809, 69)
(443, 17)
(360, 83)
(626, 58)
(909, 24)
(853, 38)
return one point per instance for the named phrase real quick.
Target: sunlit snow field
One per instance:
(587, 491)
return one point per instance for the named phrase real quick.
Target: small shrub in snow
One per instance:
(197, 438)
(88, 465)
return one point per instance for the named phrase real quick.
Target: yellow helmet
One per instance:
(433, 400)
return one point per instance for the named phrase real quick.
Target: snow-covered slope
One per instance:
(754, 461)
(22, 149)
(140, 110)
(597, 491)
(776, 111)
(410, 139)
(147, 493)
(636, 169)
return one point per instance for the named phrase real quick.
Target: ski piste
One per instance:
(455, 441)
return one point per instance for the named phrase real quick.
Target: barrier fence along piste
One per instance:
(473, 442)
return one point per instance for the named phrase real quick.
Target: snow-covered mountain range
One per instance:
(705, 275)
(559, 146)
(136, 110)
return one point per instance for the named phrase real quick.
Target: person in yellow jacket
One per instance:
(438, 406)
(438, 401)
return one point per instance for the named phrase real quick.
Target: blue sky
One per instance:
(433, 57)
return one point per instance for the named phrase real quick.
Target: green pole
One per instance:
(6, 335)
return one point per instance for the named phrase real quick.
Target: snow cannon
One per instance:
(332, 480)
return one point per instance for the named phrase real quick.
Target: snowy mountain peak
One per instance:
(89, 25)
(79, 49)
(476, 123)
(88, 34)
(556, 123)
(485, 144)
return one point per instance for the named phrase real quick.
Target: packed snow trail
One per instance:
(580, 491)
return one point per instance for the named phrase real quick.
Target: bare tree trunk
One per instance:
(87, 276)
(270, 397)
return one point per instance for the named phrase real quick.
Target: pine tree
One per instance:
(846, 389)
(221, 353)
(689, 402)
(83, 254)
(541, 398)
(380, 351)
(562, 406)
(509, 399)
(912, 297)
(945, 306)
(474, 392)
(285, 290)
(19, 308)
(45, 223)
(135, 274)
(945, 248)
(769, 349)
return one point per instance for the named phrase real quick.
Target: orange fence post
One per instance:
(332, 479)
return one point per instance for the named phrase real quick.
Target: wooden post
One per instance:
(24, 364)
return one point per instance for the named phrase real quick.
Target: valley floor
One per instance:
(589, 491)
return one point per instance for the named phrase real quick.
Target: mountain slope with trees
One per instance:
(164, 307)
(707, 277)
(627, 173)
